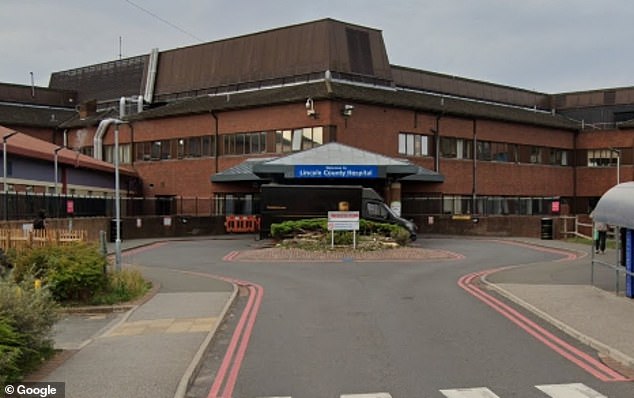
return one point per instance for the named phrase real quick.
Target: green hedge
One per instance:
(73, 273)
(27, 316)
(289, 229)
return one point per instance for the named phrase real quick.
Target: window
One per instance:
(413, 144)
(125, 153)
(457, 148)
(448, 147)
(559, 157)
(244, 143)
(298, 139)
(155, 153)
(502, 152)
(377, 210)
(601, 157)
(536, 154)
(484, 150)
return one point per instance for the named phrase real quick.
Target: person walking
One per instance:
(602, 234)
(40, 220)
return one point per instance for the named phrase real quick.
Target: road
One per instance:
(401, 328)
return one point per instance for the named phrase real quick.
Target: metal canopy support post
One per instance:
(629, 263)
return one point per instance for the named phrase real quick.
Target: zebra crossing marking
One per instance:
(574, 390)
(481, 392)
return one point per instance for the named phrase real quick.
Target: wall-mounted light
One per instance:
(347, 110)
(310, 108)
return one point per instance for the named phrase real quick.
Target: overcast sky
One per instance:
(544, 45)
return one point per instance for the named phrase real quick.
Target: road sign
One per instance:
(343, 221)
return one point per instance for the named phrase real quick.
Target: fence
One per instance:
(20, 239)
(25, 206)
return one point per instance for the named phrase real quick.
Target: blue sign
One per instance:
(339, 171)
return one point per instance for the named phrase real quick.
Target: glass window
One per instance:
(180, 151)
(601, 158)
(413, 144)
(156, 150)
(194, 148)
(166, 149)
(282, 141)
(536, 154)
(484, 150)
(465, 147)
(449, 147)
(208, 145)
(295, 140)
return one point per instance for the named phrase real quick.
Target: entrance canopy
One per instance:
(332, 161)
(338, 161)
(616, 206)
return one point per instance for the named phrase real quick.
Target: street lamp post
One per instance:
(4, 171)
(117, 200)
(117, 193)
(56, 178)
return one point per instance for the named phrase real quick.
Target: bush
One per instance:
(27, 316)
(73, 273)
(124, 285)
(289, 229)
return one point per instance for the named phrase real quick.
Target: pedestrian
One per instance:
(602, 233)
(40, 220)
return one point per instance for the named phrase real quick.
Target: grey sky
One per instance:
(544, 45)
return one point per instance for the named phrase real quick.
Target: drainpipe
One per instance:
(98, 138)
(474, 188)
(437, 144)
(132, 145)
(215, 116)
(574, 171)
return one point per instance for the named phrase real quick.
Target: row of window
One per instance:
(484, 205)
(231, 144)
(458, 148)
(293, 140)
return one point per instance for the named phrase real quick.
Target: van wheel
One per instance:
(412, 238)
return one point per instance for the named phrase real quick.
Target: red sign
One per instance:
(554, 206)
(70, 207)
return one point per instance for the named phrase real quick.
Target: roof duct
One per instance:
(151, 75)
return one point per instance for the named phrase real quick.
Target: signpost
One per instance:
(343, 221)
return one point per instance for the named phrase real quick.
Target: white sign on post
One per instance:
(343, 221)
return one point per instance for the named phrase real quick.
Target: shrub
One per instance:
(73, 272)
(289, 229)
(124, 285)
(27, 316)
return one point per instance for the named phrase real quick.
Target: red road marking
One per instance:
(567, 254)
(576, 356)
(231, 256)
(236, 350)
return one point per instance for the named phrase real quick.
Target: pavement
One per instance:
(108, 352)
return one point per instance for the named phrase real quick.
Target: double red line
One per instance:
(576, 356)
(230, 367)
